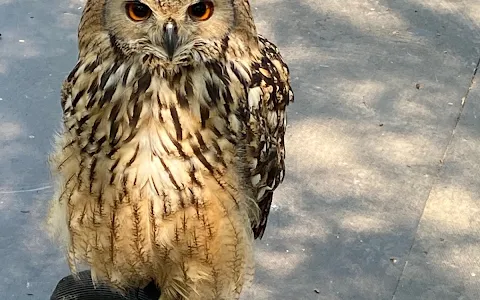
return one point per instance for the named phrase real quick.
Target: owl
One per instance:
(172, 144)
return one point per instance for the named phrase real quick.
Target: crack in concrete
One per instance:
(437, 175)
(460, 113)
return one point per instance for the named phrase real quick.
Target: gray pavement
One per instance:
(382, 195)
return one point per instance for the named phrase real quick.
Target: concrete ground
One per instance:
(382, 195)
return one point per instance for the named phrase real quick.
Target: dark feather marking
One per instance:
(113, 236)
(208, 227)
(107, 96)
(170, 175)
(74, 71)
(228, 137)
(219, 154)
(152, 221)
(100, 143)
(70, 195)
(219, 71)
(112, 178)
(189, 87)
(195, 201)
(227, 96)
(162, 144)
(200, 141)
(217, 132)
(176, 234)
(82, 122)
(126, 193)
(135, 118)
(193, 178)
(125, 75)
(68, 145)
(113, 133)
(264, 205)
(115, 47)
(73, 126)
(238, 74)
(157, 191)
(112, 152)
(191, 249)
(130, 137)
(176, 122)
(82, 169)
(91, 139)
(77, 98)
(184, 222)
(92, 90)
(144, 83)
(114, 112)
(60, 166)
(182, 100)
(176, 79)
(137, 232)
(213, 91)
(135, 180)
(204, 115)
(104, 78)
(161, 106)
(177, 145)
(92, 66)
(224, 185)
(82, 215)
(165, 205)
(92, 173)
(132, 160)
(202, 159)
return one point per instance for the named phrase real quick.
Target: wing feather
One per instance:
(268, 97)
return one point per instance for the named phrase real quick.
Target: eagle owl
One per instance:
(171, 146)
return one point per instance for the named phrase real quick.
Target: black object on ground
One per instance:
(82, 288)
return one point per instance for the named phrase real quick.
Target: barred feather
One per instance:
(168, 174)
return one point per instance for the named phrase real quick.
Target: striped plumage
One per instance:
(166, 167)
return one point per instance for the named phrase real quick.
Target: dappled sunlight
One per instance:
(347, 168)
(10, 131)
(401, 149)
(378, 87)
(20, 49)
(333, 149)
(457, 212)
(281, 263)
(367, 15)
(324, 58)
(12, 155)
(468, 10)
(365, 224)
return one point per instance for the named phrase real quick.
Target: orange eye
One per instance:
(201, 11)
(138, 11)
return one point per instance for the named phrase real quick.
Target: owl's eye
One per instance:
(201, 11)
(138, 11)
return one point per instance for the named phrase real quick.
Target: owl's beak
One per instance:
(170, 38)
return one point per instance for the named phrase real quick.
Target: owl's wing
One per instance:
(268, 97)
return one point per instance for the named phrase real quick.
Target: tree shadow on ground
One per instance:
(365, 144)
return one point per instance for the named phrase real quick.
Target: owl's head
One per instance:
(176, 32)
